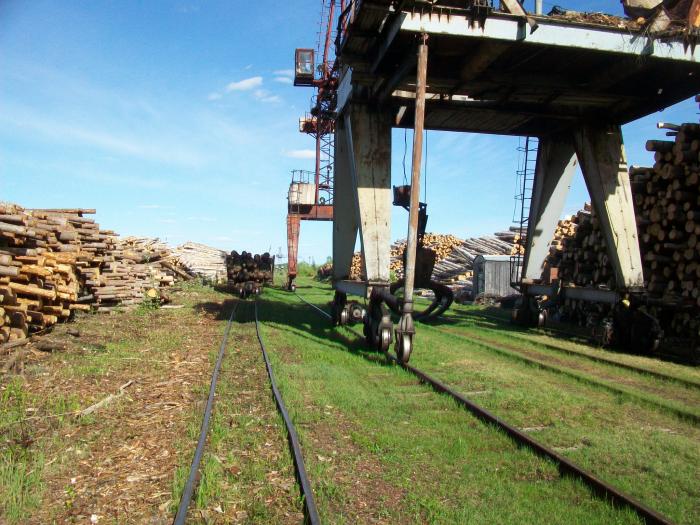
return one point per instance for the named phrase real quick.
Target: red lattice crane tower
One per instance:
(310, 195)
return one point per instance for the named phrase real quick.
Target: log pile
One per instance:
(667, 206)
(514, 238)
(455, 257)
(459, 263)
(132, 267)
(248, 267)
(54, 262)
(325, 271)
(202, 261)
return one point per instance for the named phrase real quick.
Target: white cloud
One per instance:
(245, 84)
(167, 221)
(284, 73)
(283, 80)
(265, 96)
(186, 8)
(167, 151)
(214, 96)
(300, 154)
(201, 219)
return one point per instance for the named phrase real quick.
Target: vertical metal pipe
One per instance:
(317, 178)
(419, 121)
(538, 7)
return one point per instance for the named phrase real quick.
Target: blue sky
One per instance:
(177, 119)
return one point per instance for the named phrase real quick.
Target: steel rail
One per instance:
(323, 312)
(632, 392)
(310, 510)
(598, 359)
(188, 491)
(565, 466)
(598, 486)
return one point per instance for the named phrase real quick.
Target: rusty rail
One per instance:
(310, 511)
(188, 490)
(566, 467)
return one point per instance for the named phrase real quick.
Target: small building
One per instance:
(492, 276)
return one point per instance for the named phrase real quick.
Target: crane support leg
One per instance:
(368, 145)
(344, 207)
(363, 202)
(293, 224)
(601, 151)
(556, 164)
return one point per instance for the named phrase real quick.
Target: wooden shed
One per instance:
(492, 276)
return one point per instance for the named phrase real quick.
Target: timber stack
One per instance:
(455, 256)
(133, 267)
(54, 262)
(249, 273)
(667, 206)
(202, 261)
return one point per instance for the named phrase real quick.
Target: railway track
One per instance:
(310, 510)
(518, 336)
(565, 466)
(635, 390)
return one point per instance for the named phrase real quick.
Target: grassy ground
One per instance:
(379, 447)
(644, 449)
(494, 319)
(382, 448)
(125, 462)
(247, 475)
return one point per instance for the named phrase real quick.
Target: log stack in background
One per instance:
(667, 206)
(202, 261)
(132, 267)
(56, 261)
(246, 267)
(455, 257)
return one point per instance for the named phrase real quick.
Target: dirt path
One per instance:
(124, 463)
(117, 464)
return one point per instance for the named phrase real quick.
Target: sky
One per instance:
(177, 119)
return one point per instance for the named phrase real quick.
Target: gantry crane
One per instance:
(310, 195)
(476, 67)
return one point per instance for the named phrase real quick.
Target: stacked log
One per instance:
(455, 257)
(247, 267)
(579, 253)
(202, 261)
(515, 238)
(54, 262)
(458, 265)
(131, 268)
(667, 206)
(325, 271)
(39, 281)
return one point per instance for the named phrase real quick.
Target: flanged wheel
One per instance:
(344, 316)
(385, 340)
(404, 346)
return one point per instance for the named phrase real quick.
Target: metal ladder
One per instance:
(525, 179)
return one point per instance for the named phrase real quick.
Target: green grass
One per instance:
(20, 469)
(645, 452)
(412, 455)
(246, 469)
(656, 393)
(34, 425)
(493, 320)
